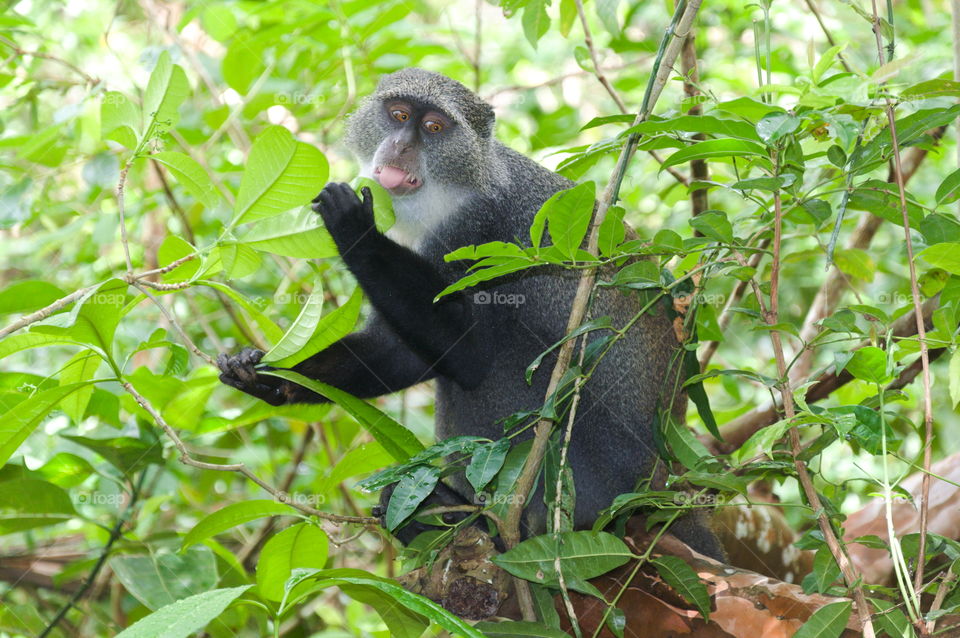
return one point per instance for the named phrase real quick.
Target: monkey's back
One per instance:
(520, 317)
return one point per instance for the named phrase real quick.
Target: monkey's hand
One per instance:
(347, 218)
(239, 371)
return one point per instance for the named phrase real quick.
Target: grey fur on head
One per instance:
(462, 157)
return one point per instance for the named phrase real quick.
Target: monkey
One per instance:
(429, 141)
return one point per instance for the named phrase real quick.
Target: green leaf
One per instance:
(242, 63)
(94, 317)
(27, 296)
(411, 601)
(825, 62)
(710, 149)
(18, 422)
(239, 260)
(119, 119)
(331, 327)
(66, 470)
(568, 214)
(396, 439)
(80, 369)
(281, 173)
(486, 274)
(684, 581)
(300, 546)
(235, 514)
(827, 622)
(400, 621)
(518, 629)
(714, 225)
(184, 618)
(931, 88)
(300, 330)
(607, 12)
(294, 233)
(775, 126)
(946, 256)
(190, 175)
(486, 462)
(125, 453)
(687, 448)
(583, 555)
(612, 231)
(698, 124)
(165, 92)
(271, 331)
(949, 189)
(869, 364)
(163, 577)
(29, 503)
(26, 340)
(535, 20)
(409, 493)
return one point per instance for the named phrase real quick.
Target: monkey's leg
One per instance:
(366, 364)
(402, 286)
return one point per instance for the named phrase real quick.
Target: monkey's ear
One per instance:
(482, 119)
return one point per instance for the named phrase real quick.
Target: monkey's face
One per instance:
(422, 131)
(411, 130)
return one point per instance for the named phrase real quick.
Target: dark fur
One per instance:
(478, 352)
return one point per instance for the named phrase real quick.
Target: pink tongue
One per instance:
(391, 176)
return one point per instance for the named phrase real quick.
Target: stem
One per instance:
(669, 49)
(240, 468)
(917, 308)
(115, 534)
(850, 575)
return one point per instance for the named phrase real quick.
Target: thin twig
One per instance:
(921, 329)
(280, 495)
(139, 285)
(123, 222)
(826, 32)
(597, 70)
(89, 79)
(850, 575)
(115, 533)
(670, 48)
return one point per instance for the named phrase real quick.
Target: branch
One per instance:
(89, 79)
(280, 495)
(670, 47)
(850, 573)
(917, 308)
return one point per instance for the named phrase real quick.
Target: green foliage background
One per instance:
(87, 468)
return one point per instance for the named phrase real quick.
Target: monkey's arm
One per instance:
(366, 364)
(402, 286)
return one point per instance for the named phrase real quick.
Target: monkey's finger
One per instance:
(367, 197)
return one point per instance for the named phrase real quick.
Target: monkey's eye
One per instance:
(400, 115)
(433, 126)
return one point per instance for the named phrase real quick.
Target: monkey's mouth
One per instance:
(396, 180)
